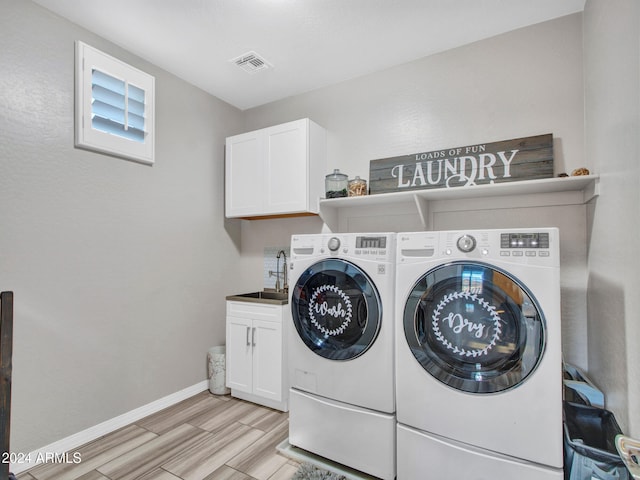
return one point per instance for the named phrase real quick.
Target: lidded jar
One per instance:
(336, 184)
(357, 187)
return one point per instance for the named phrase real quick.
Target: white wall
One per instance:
(119, 270)
(612, 127)
(523, 83)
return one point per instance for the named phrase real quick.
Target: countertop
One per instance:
(267, 296)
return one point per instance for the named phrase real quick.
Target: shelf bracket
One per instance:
(330, 217)
(422, 205)
(591, 190)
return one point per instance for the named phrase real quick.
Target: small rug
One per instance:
(308, 471)
(309, 462)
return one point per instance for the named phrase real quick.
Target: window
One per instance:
(114, 106)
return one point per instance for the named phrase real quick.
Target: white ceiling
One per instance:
(309, 43)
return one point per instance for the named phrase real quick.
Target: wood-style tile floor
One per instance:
(205, 437)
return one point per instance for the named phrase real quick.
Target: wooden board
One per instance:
(505, 161)
(6, 352)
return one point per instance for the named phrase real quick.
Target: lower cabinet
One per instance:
(256, 353)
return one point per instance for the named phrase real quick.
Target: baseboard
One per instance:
(92, 433)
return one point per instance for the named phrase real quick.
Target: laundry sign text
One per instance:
(505, 161)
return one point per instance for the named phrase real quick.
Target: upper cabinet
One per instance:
(275, 171)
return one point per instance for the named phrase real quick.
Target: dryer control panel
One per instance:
(531, 245)
(524, 240)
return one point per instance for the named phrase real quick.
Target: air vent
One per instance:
(251, 62)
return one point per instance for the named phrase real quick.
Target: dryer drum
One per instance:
(474, 327)
(336, 309)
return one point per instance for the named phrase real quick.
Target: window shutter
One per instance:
(117, 107)
(114, 106)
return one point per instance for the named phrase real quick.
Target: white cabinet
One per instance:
(275, 171)
(256, 353)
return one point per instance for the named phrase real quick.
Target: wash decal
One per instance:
(330, 310)
(486, 163)
(466, 324)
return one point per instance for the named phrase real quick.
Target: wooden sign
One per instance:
(507, 161)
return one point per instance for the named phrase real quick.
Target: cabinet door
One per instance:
(239, 354)
(286, 167)
(244, 174)
(267, 359)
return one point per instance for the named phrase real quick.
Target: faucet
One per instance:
(285, 287)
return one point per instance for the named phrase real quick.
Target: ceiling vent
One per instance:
(251, 62)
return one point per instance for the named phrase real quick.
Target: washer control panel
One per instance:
(371, 242)
(359, 245)
(370, 246)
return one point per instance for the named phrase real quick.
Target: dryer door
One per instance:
(474, 327)
(336, 309)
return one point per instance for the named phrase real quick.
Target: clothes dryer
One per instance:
(478, 354)
(342, 398)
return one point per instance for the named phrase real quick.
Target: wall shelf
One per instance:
(526, 193)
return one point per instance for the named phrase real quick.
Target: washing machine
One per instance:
(341, 349)
(478, 355)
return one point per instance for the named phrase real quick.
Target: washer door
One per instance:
(336, 309)
(474, 327)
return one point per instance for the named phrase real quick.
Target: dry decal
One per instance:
(463, 320)
(330, 305)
